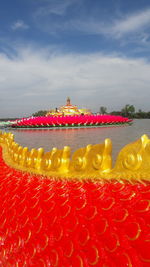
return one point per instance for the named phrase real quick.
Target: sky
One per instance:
(97, 52)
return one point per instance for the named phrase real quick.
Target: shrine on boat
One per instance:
(68, 109)
(70, 116)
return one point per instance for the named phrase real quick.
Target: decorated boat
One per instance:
(78, 210)
(70, 121)
(70, 116)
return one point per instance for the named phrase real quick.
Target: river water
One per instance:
(80, 137)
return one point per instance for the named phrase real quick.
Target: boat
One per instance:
(71, 116)
(74, 211)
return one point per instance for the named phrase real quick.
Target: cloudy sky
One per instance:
(95, 51)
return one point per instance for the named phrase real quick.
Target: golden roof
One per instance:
(69, 109)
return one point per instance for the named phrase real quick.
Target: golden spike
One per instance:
(38, 159)
(65, 160)
(23, 160)
(1, 137)
(107, 156)
(15, 150)
(79, 159)
(20, 149)
(46, 163)
(60, 160)
(31, 158)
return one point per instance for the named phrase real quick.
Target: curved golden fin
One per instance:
(92, 161)
(133, 160)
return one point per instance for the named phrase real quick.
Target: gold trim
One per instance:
(66, 214)
(93, 215)
(40, 227)
(44, 264)
(26, 221)
(46, 242)
(124, 217)
(105, 227)
(110, 205)
(137, 234)
(83, 205)
(81, 261)
(40, 211)
(129, 198)
(28, 237)
(96, 258)
(145, 260)
(60, 235)
(71, 251)
(128, 258)
(147, 207)
(35, 204)
(73, 225)
(90, 162)
(57, 258)
(87, 238)
(34, 252)
(23, 211)
(116, 245)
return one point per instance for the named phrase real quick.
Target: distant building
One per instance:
(68, 109)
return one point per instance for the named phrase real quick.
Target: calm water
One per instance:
(79, 137)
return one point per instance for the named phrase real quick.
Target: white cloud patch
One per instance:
(135, 23)
(132, 23)
(36, 79)
(19, 25)
(56, 7)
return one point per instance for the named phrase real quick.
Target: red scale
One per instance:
(64, 223)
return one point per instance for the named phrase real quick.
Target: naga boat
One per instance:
(60, 210)
(70, 116)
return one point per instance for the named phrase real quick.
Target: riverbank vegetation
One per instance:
(127, 111)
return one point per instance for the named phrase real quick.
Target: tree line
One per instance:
(127, 111)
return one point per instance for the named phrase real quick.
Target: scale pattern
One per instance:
(53, 222)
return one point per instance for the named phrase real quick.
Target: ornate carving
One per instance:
(134, 158)
(92, 161)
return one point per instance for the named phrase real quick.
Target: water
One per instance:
(80, 137)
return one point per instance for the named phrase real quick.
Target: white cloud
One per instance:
(56, 16)
(129, 27)
(135, 23)
(35, 80)
(56, 7)
(19, 25)
(132, 23)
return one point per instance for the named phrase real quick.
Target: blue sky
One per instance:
(95, 51)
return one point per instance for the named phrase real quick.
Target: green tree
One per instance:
(128, 111)
(39, 113)
(103, 110)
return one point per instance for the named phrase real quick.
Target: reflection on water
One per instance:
(79, 137)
